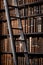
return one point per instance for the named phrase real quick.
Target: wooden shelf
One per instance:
(40, 34)
(5, 36)
(30, 55)
(36, 34)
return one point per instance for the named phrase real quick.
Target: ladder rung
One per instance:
(15, 17)
(19, 7)
(11, 6)
(2, 10)
(22, 17)
(3, 20)
(5, 36)
(21, 54)
(17, 28)
(16, 35)
(6, 20)
(20, 40)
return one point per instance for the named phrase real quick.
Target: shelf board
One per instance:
(3, 10)
(36, 3)
(36, 34)
(31, 55)
(22, 54)
(39, 34)
(6, 36)
(26, 17)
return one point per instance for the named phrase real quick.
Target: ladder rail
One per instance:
(21, 33)
(10, 31)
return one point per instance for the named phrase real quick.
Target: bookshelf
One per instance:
(31, 15)
(33, 26)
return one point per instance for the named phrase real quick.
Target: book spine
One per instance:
(36, 9)
(29, 25)
(42, 25)
(41, 8)
(39, 20)
(32, 25)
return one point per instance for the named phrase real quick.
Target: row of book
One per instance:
(30, 25)
(33, 25)
(5, 45)
(27, 1)
(34, 45)
(21, 61)
(31, 10)
(6, 59)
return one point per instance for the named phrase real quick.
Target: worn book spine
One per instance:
(39, 21)
(29, 26)
(32, 25)
(41, 8)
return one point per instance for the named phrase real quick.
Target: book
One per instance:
(20, 2)
(21, 61)
(29, 25)
(36, 10)
(32, 25)
(29, 12)
(39, 21)
(41, 8)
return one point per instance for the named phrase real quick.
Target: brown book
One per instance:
(0, 28)
(36, 10)
(32, 25)
(22, 12)
(20, 2)
(39, 21)
(29, 11)
(2, 3)
(3, 59)
(17, 47)
(41, 8)
(23, 24)
(29, 26)
(42, 25)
